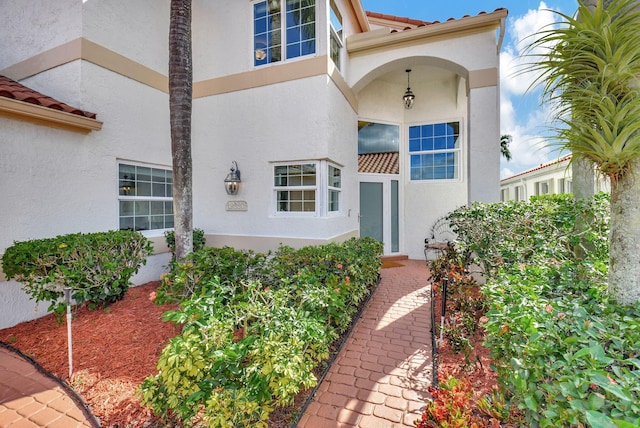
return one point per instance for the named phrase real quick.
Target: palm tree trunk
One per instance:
(624, 241)
(583, 179)
(180, 102)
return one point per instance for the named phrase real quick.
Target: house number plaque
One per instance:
(236, 206)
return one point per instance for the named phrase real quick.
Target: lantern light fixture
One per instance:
(408, 97)
(232, 182)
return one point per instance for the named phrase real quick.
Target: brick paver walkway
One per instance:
(381, 376)
(30, 398)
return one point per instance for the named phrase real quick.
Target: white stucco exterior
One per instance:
(550, 178)
(110, 57)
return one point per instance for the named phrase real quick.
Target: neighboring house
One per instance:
(293, 92)
(546, 179)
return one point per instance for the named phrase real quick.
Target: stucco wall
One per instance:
(25, 22)
(258, 127)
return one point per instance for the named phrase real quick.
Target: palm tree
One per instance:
(180, 100)
(505, 140)
(590, 72)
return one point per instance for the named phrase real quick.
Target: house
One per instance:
(294, 104)
(550, 178)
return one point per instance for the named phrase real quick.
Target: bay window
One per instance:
(312, 187)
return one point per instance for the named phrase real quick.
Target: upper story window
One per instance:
(434, 151)
(313, 187)
(335, 37)
(283, 29)
(145, 197)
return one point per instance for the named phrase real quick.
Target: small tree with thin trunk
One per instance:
(180, 104)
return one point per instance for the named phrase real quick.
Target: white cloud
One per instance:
(522, 116)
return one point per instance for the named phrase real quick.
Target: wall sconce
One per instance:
(408, 97)
(232, 182)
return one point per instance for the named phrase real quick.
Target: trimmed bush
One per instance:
(96, 266)
(255, 327)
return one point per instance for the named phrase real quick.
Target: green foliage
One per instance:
(199, 268)
(525, 232)
(255, 328)
(589, 67)
(199, 240)
(567, 353)
(96, 266)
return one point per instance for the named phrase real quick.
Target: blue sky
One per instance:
(522, 116)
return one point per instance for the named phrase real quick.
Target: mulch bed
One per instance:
(114, 350)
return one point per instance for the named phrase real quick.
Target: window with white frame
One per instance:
(312, 187)
(335, 34)
(541, 188)
(145, 197)
(564, 185)
(283, 29)
(504, 195)
(434, 151)
(334, 186)
(519, 193)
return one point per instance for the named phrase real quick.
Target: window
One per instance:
(295, 31)
(504, 195)
(145, 197)
(541, 188)
(434, 151)
(335, 182)
(564, 185)
(335, 36)
(298, 188)
(519, 193)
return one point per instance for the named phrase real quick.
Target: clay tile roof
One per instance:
(539, 167)
(379, 163)
(11, 89)
(415, 22)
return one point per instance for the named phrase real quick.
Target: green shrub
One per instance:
(255, 328)
(568, 355)
(199, 268)
(199, 240)
(96, 266)
(522, 232)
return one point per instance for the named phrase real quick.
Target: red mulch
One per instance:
(114, 350)
(478, 369)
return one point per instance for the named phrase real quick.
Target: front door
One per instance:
(379, 213)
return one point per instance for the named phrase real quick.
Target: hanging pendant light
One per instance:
(408, 97)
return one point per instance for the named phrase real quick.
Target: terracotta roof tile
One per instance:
(11, 89)
(539, 167)
(415, 22)
(379, 163)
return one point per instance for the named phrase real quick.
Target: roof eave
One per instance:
(47, 116)
(361, 15)
(383, 37)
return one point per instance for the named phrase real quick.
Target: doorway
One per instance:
(379, 212)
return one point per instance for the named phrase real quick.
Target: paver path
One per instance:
(381, 376)
(30, 398)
